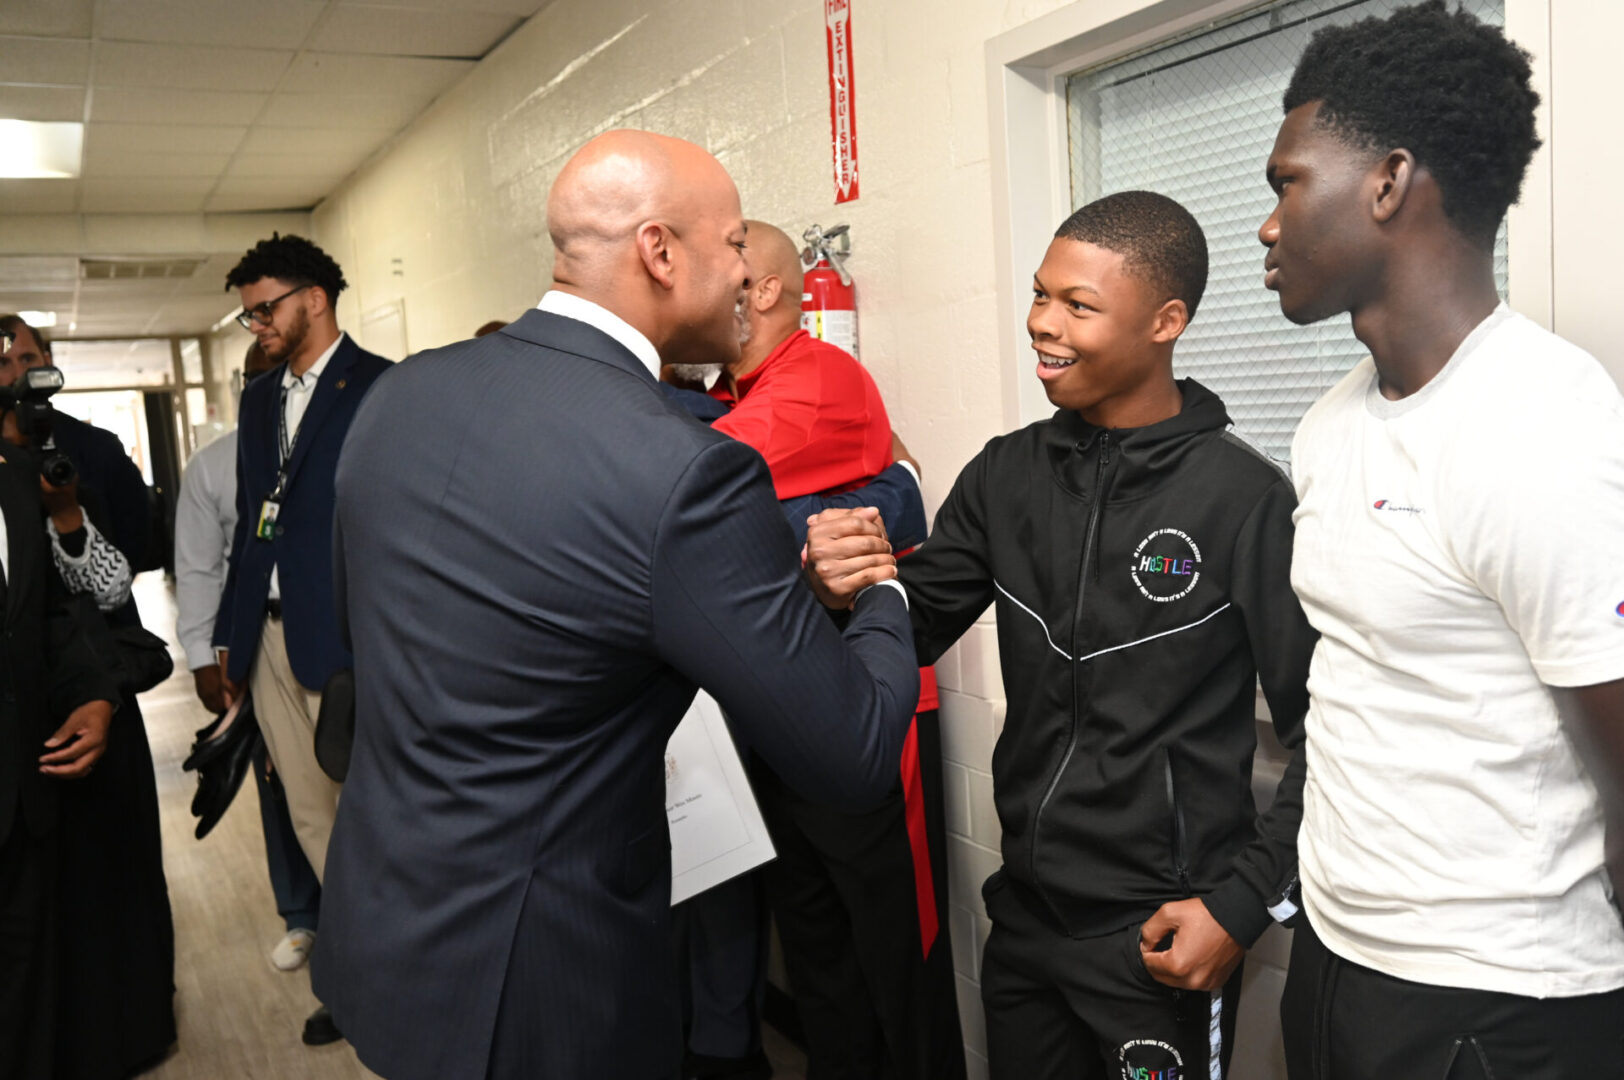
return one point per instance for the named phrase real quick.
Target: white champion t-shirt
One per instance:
(1461, 551)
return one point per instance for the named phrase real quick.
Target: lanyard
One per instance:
(285, 443)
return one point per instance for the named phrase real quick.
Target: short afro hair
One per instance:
(292, 259)
(1440, 84)
(1159, 241)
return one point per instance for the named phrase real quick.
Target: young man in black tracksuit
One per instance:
(1138, 553)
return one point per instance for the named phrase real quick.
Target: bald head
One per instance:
(772, 303)
(617, 182)
(773, 253)
(649, 227)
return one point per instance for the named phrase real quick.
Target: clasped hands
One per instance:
(846, 551)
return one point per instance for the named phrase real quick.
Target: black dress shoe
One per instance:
(705, 1067)
(319, 1028)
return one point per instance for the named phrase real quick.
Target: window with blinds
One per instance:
(1195, 119)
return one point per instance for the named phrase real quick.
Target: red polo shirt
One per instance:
(815, 414)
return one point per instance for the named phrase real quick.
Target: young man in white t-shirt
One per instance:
(1461, 508)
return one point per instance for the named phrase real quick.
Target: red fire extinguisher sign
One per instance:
(828, 296)
(842, 98)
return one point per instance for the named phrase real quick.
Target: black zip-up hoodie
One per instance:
(1142, 579)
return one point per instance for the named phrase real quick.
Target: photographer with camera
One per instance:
(96, 453)
(118, 961)
(56, 705)
(87, 561)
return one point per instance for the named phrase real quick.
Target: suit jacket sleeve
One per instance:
(894, 492)
(949, 579)
(341, 585)
(828, 711)
(1263, 879)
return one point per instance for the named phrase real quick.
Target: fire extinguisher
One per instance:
(828, 297)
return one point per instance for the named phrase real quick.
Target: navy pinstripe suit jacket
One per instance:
(540, 556)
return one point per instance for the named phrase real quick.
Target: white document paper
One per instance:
(716, 827)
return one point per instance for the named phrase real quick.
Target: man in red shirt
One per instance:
(861, 899)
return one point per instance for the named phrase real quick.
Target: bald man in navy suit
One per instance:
(532, 599)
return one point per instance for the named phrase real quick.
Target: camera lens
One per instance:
(57, 469)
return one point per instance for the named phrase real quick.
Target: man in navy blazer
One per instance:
(531, 607)
(277, 628)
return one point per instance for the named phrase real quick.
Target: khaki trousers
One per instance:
(286, 712)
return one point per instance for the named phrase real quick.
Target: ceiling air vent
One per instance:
(132, 269)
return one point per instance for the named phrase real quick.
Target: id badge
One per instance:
(266, 529)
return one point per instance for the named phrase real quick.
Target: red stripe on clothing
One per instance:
(913, 798)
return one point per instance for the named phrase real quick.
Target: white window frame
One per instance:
(1027, 69)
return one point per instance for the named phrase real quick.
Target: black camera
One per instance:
(30, 399)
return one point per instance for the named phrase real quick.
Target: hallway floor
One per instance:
(238, 1016)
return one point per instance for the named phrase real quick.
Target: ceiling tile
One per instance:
(124, 290)
(378, 111)
(48, 18)
(110, 162)
(308, 188)
(42, 60)
(162, 138)
(146, 105)
(237, 233)
(57, 300)
(146, 234)
(229, 204)
(145, 195)
(411, 32)
(30, 234)
(42, 102)
(288, 193)
(523, 8)
(281, 25)
(38, 196)
(188, 67)
(29, 273)
(346, 73)
(280, 166)
(301, 141)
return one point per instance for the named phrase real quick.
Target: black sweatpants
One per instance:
(1343, 1021)
(844, 892)
(1064, 1008)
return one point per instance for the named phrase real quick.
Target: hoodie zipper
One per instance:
(1076, 633)
(1180, 864)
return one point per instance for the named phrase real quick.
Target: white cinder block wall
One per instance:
(451, 219)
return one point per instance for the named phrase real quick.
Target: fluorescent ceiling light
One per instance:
(42, 320)
(38, 151)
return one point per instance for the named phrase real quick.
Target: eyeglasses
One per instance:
(261, 313)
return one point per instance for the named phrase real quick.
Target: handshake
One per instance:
(846, 551)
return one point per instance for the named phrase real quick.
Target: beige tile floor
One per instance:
(238, 1016)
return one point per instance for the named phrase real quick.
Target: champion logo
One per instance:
(1620, 610)
(1393, 507)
